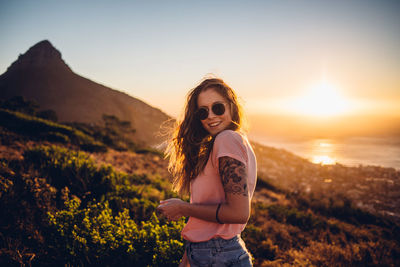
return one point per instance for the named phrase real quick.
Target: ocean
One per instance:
(351, 151)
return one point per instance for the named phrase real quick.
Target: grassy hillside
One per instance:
(64, 204)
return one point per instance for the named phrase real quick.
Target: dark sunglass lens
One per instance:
(202, 113)
(218, 109)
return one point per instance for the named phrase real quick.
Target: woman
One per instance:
(213, 160)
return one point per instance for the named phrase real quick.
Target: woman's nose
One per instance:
(211, 114)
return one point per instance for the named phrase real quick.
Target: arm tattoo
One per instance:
(233, 175)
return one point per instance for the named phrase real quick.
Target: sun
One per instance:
(321, 100)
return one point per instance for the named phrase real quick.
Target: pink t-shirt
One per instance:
(207, 187)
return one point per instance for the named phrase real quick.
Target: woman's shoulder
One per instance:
(230, 135)
(231, 143)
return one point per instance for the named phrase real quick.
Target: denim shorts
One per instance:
(218, 252)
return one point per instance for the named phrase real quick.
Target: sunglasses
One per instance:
(217, 108)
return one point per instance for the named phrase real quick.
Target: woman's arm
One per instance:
(236, 209)
(234, 180)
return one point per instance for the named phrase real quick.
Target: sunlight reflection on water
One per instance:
(323, 159)
(323, 152)
(348, 151)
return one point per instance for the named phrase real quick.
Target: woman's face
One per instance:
(214, 123)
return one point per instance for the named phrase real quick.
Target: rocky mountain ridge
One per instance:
(41, 55)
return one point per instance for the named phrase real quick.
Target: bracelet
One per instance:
(216, 214)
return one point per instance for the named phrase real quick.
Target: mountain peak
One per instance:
(41, 55)
(43, 45)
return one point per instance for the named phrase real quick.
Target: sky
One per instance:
(281, 57)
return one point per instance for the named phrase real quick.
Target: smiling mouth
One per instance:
(215, 124)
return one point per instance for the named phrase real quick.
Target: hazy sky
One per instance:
(271, 52)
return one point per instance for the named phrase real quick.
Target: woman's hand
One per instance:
(172, 208)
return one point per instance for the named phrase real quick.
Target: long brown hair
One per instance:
(190, 145)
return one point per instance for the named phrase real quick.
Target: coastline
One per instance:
(350, 151)
(375, 189)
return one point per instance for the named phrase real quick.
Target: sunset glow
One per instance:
(322, 99)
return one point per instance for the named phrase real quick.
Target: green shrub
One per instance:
(47, 114)
(19, 103)
(342, 208)
(93, 236)
(77, 171)
(115, 133)
(6, 183)
(38, 128)
(268, 184)
(5, 186)
(56, 137)
(303, 220)
(72, 169)
(258, 243)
